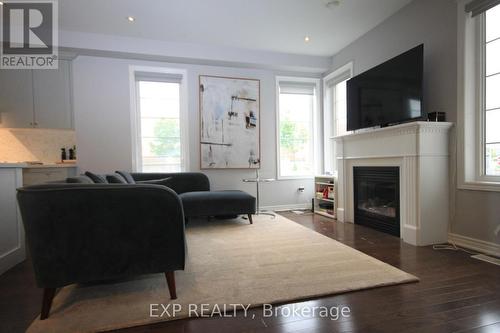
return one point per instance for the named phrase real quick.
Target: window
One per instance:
(297, 104)
(491, 45)
(159, 134)
(478, 120)
(160, 131)
(335, 115)
(340, 107)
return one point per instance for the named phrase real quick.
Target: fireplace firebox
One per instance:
(376, 198)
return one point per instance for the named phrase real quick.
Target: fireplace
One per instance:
(376, 198)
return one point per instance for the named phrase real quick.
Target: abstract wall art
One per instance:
(229, 123)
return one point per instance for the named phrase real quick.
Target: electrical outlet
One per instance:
(301, 189)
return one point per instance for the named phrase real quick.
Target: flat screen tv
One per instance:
(388, 94)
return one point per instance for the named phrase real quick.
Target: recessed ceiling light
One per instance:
(130, 18)
(307, 39)
(1, 3)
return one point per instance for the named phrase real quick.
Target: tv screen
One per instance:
(387, 94)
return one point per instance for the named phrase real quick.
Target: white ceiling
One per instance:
(270, 25)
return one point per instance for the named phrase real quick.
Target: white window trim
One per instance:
(135, 116)
(471, 102)
(329, 128)
(316, 128)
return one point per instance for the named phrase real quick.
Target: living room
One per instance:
(291, 166)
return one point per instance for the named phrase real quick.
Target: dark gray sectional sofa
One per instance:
(79, 231)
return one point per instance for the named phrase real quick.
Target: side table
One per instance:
(257, 180)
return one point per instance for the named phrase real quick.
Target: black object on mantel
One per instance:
(436, 116)
(63, 154)
(71, 154)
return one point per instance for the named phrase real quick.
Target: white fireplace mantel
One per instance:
(420, 150)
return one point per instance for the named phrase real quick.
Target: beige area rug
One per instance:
(229, 262)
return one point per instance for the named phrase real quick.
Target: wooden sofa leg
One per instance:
(171, 284)
(48, 296)
(250, 218)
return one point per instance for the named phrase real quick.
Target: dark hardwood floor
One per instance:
(455, 294)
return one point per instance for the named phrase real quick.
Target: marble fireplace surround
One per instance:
(421, 151)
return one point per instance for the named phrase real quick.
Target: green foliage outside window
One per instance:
(167, 138)
(292, 139)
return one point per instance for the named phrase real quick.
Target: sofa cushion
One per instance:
(214, 203)
(98, 179)
(116, 179)
(181, 182)
(82, 179)
(128, 177)
(168, 182)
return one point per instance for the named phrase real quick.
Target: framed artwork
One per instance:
(229, 123)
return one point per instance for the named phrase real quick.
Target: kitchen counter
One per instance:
(12, 165)
(55, 165)
(36, 166)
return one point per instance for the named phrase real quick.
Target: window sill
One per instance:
(480, 186)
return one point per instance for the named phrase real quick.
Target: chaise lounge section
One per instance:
(193, 189)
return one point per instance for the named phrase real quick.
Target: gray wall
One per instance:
(474, 214)
(431, 22)
(102, 121)
(477, 215)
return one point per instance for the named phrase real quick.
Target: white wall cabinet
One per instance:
(52, 102)
(12, 246)
(16, 98)
(36, 98)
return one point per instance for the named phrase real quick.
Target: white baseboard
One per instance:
(341, 215)
(280, 208)
(11, 258)
(475, 244)
(409, 234)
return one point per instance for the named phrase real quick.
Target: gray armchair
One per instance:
(79, 233)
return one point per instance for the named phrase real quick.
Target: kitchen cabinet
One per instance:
(40, 175)
(12, 245)
(13, 176)
(16, 98)
(39, 98)
(52, 101)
